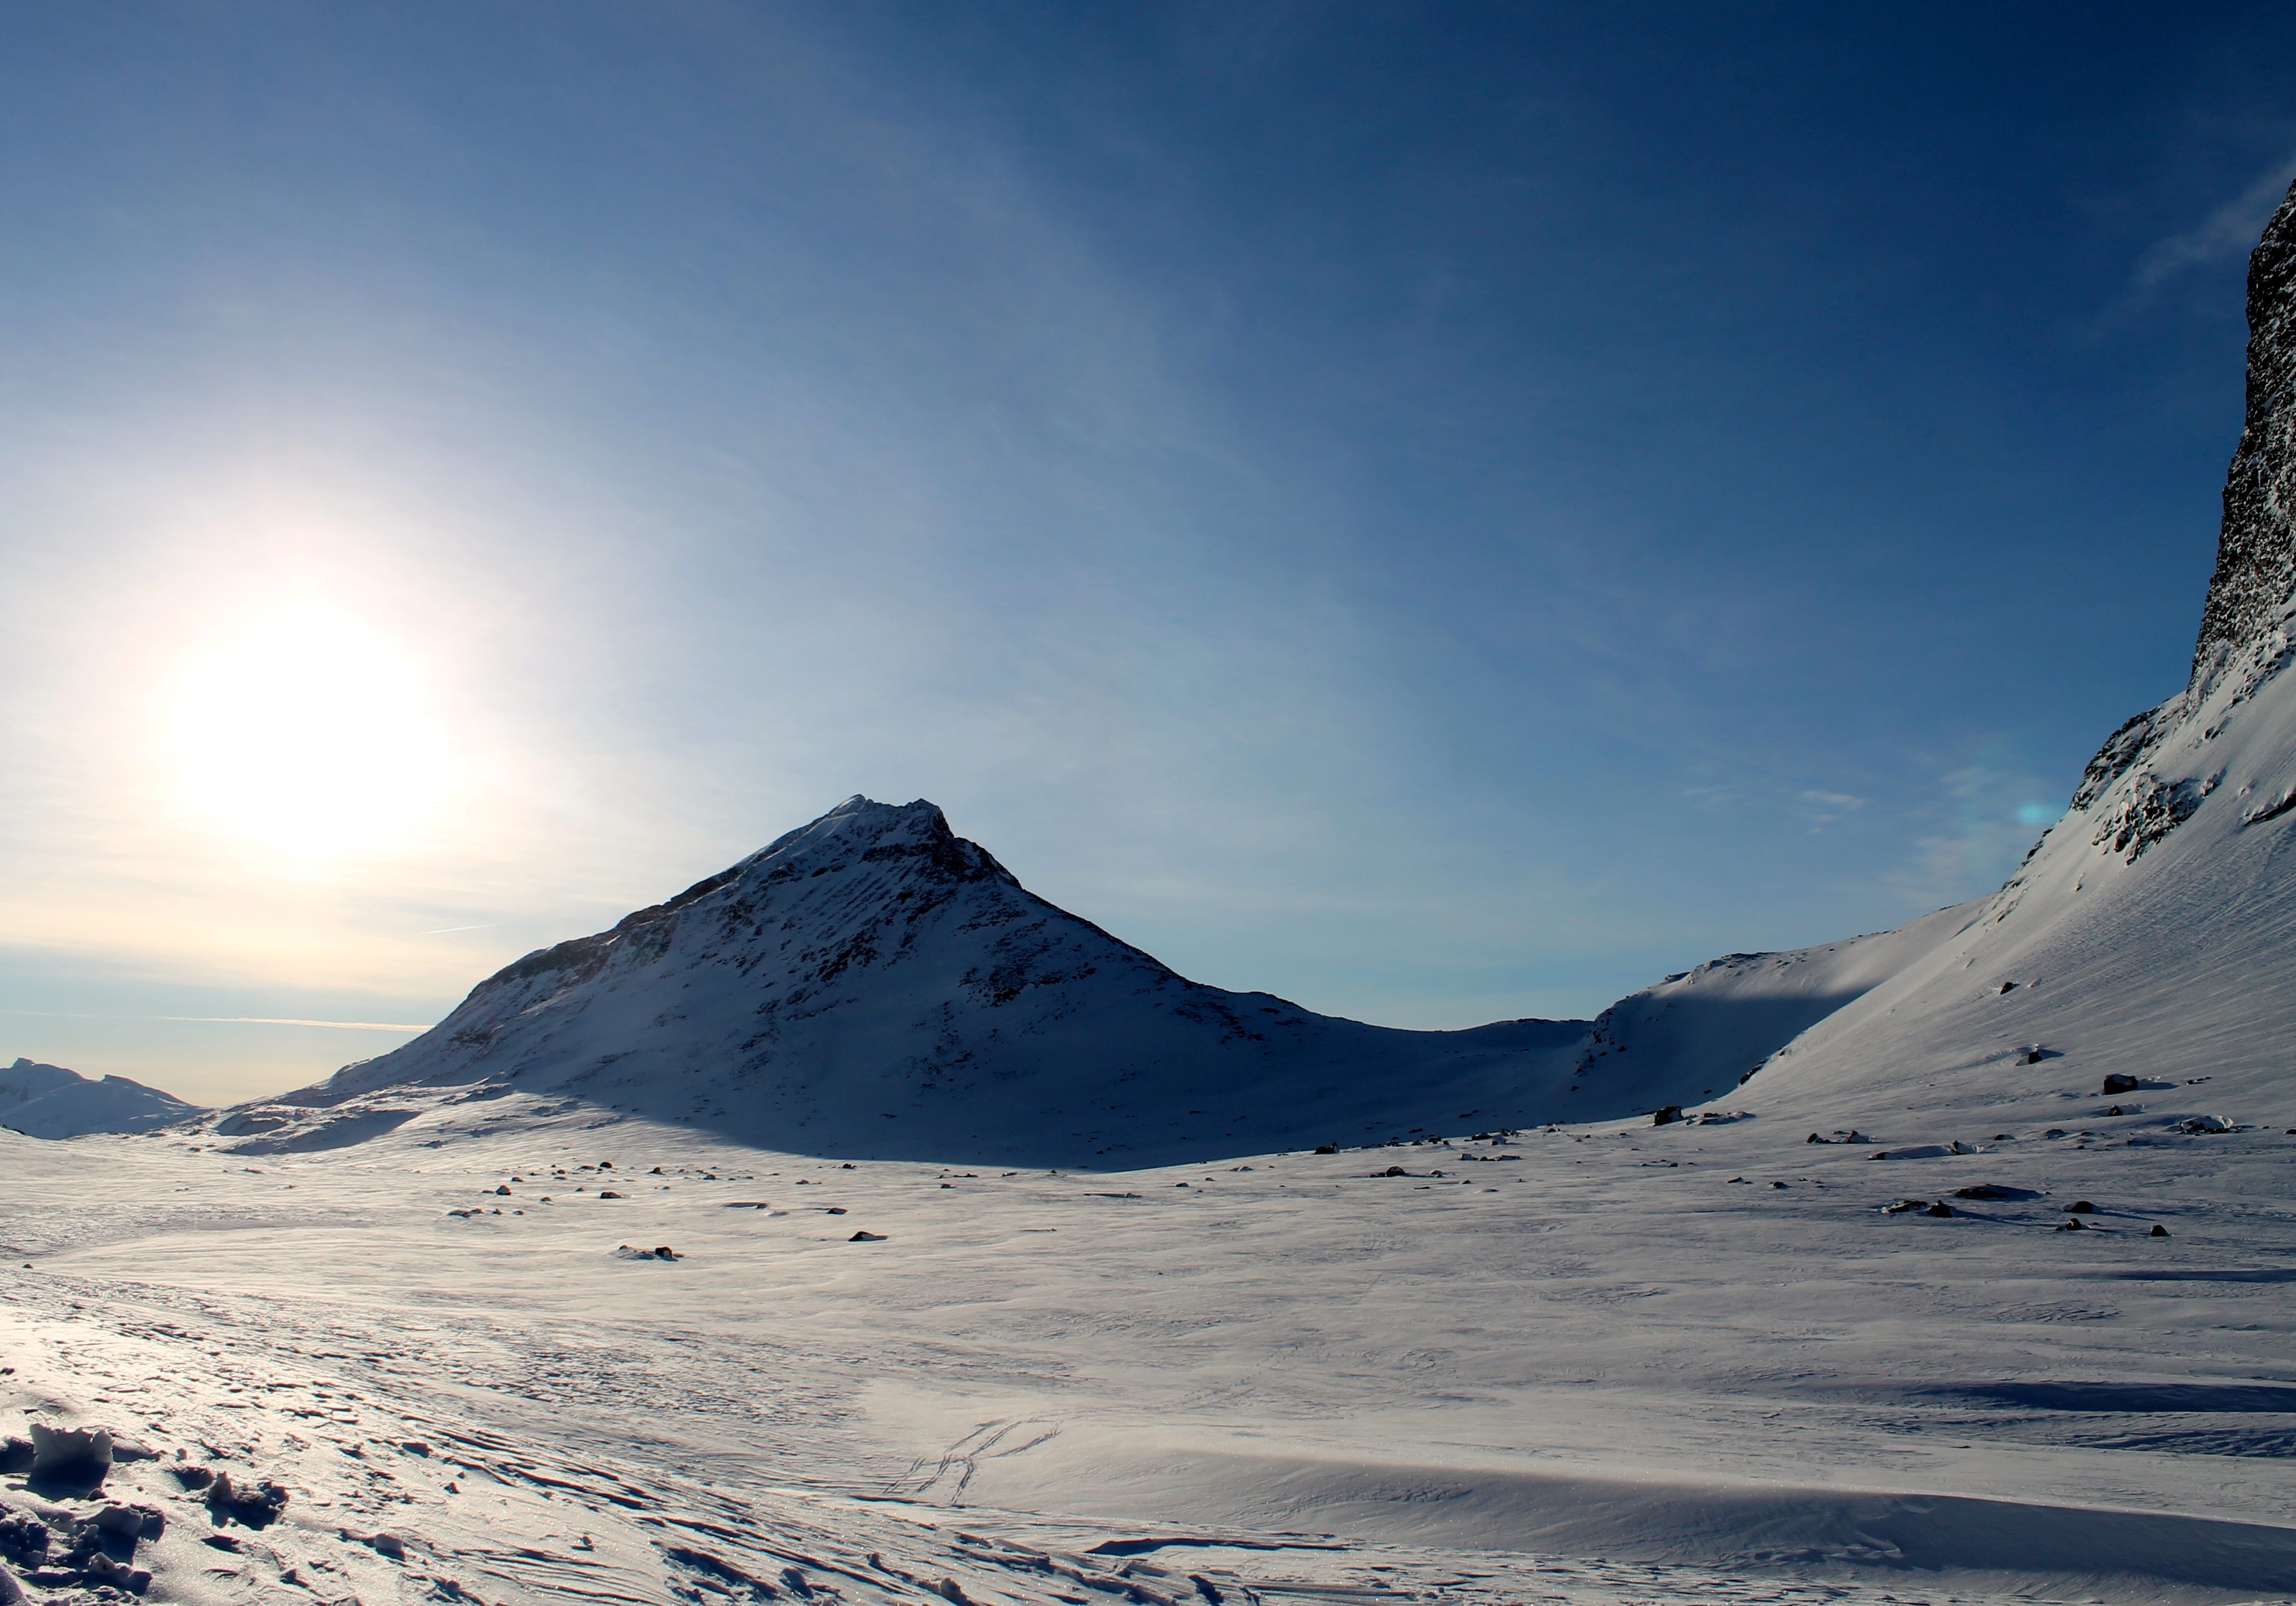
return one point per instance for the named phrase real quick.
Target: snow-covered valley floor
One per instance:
(1624, 1365)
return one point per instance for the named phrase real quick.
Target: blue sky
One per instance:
(1443, 512)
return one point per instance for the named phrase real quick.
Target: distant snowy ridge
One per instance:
(1719, 1024)
(48, 1100)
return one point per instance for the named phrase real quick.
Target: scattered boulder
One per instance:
(1981, 1190)
(2158, 1230)
(2117, 1083)
(2199, 1124)
(1327, 1148)
(867, 1238)
(2071, 1224)
(15, 1454)
(2114, 1109)
(383, 1544)
(1395, 1171)
(1939, 1208)
(1904, 1206)
(609, 1193)
(1666, 1114)
(2081, 1207)
(252, 1504)
(194, 1478)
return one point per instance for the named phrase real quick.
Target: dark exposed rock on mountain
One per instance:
(2256, 555)
(2150, 938)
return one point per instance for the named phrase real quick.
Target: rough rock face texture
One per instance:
(2245, 623)
(2256, 556)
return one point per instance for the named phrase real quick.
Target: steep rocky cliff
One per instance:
(2151, 935)
(2244, 623)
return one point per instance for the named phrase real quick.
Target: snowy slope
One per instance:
(47, 1101)
(1715, 1026)
(874, 985)
(2152, 934)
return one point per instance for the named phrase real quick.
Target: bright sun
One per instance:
(311, 734)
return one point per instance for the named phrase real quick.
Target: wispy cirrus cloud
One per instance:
(2228, 231)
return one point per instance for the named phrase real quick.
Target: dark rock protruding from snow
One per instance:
(2256, 555)
(48, 1100)
(2245, 623)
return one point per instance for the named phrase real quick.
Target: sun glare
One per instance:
(310, 735)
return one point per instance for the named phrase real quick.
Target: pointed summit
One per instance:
(872, 984)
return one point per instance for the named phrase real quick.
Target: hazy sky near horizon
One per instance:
(1443, 512)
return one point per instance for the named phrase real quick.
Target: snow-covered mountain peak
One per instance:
(51, 1102)
(873, 984)
(863, 824)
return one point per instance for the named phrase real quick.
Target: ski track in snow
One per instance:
(1440, 1370)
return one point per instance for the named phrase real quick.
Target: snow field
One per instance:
(1603, 1369)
